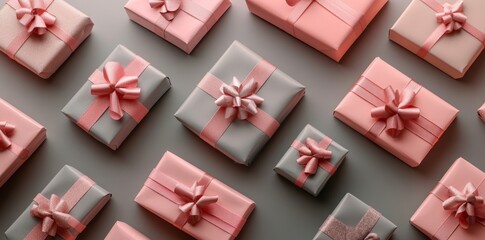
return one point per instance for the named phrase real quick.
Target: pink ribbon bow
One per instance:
(118, 86)
(239, 100)
(168, 8)
(6, 130)
(292, 2)
(397, 110)
(54, 215)
(34, 16)
(197, 200)
(467, 205)
(372, 236)
(452, 16)
(310, 155)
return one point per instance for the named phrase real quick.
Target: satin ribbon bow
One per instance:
(311, 154)
(197, 200)
(6, 130)
(293, 2)
(372, 236)
(467, 205)
(54, 215)
(397, 110)
(34, 16)
(168, 8)
(452, 16)
(239, 100)
(118, 87)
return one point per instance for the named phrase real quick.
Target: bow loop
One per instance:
(311, 153)
(6, 131)
(452, 16)
(372, 236)
(33, 15)
(168, 8)
(54, 215)
(239, 100)
(292, 2)
(196, 200)
(467, 205)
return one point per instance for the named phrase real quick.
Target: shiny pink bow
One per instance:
(452, 16)
(396, 110)
(168, 8)
(197, 200)
(467, 205)
(118, 86)
(372, 236)
(6, 130)
(54, 215)
(33, 15)
(311, 154)
(239, 100)
(293, 2)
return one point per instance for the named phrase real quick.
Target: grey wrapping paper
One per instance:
(84, 211)
(290, 169)
(241, 141)
(153, 84)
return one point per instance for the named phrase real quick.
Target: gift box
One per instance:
(331, 27)
(42, 34)
(240, 103)
(454, 210)
(181, 22)
(395, 112)
(353, 219)
(117, 97)
(193, 201)
(311, 160)
(62, 210)
(123, 231)
(449, 34)
(20, 136)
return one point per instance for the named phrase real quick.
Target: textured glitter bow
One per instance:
(452, 16)
(54, 215)
(168, 8)
(6, 130)
(467, 205)
(33, 15)
(197, 200)
(118, 86)
(239, 100)
(397, 110)
(310, 155)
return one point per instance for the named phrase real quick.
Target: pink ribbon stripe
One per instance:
(335, 229)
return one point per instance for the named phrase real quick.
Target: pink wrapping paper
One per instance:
(123, 231)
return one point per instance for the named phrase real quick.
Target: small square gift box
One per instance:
(449, 34)
(353, 219)
(62, 210)
(42, 34)
(455, 208)
(311, 160)
(193, 201)
(181, 22)
(123, 231)
(395, 112)
(330, 26)
(20, 136)
(240, 103)
(117, 97)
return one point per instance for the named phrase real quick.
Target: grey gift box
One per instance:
(84, 211)
(241, 141)
(153, 84)
(290, 169)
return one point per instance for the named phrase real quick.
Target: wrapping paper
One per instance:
(418, 136)
(64, 183)
(25, 138)
(241, 140)
(153, 85)
(222, 219)
(44, 54)
(123, 231)
(190, 24)
(289, 168)
(319, 26)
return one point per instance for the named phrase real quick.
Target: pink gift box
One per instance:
(190, 23)
(409, 128)
(123, 231)
(439, 223)
(176, 190)
(330, 26)
(20, 136)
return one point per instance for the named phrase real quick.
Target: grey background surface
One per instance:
(283, 211)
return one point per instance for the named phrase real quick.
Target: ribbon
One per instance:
(335, 229)
(197, 200)
(6, 130)
(481, 112)
(239, 100)
(168, 8)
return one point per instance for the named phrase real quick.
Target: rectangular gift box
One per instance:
(462, 181)
(123, 231)
(94, 108)
(174, 185)
(370, 109)
(421, 30)
(298, 165)
(352, 217)
(75, 197)
(20, 136)
(184, 25)
(331, 27)
(42, 51)
(274, 93)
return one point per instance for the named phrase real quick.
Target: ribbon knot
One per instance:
(239, 100)
(168, 8)
(396, 110)
(311, 154)
(54, 215)
(452, 16)
(196, 200)
(6, 131)
(372, 236)
(467, 205)
(34, 16)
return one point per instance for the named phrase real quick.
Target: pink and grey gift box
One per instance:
(311, 160)
(331, 27)
(42, 50)
(72, 197)
(240, 103)
(20, 136)
(193, 201)
(117, 97)
(123, 231)
(395, 112)
(181, 22)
